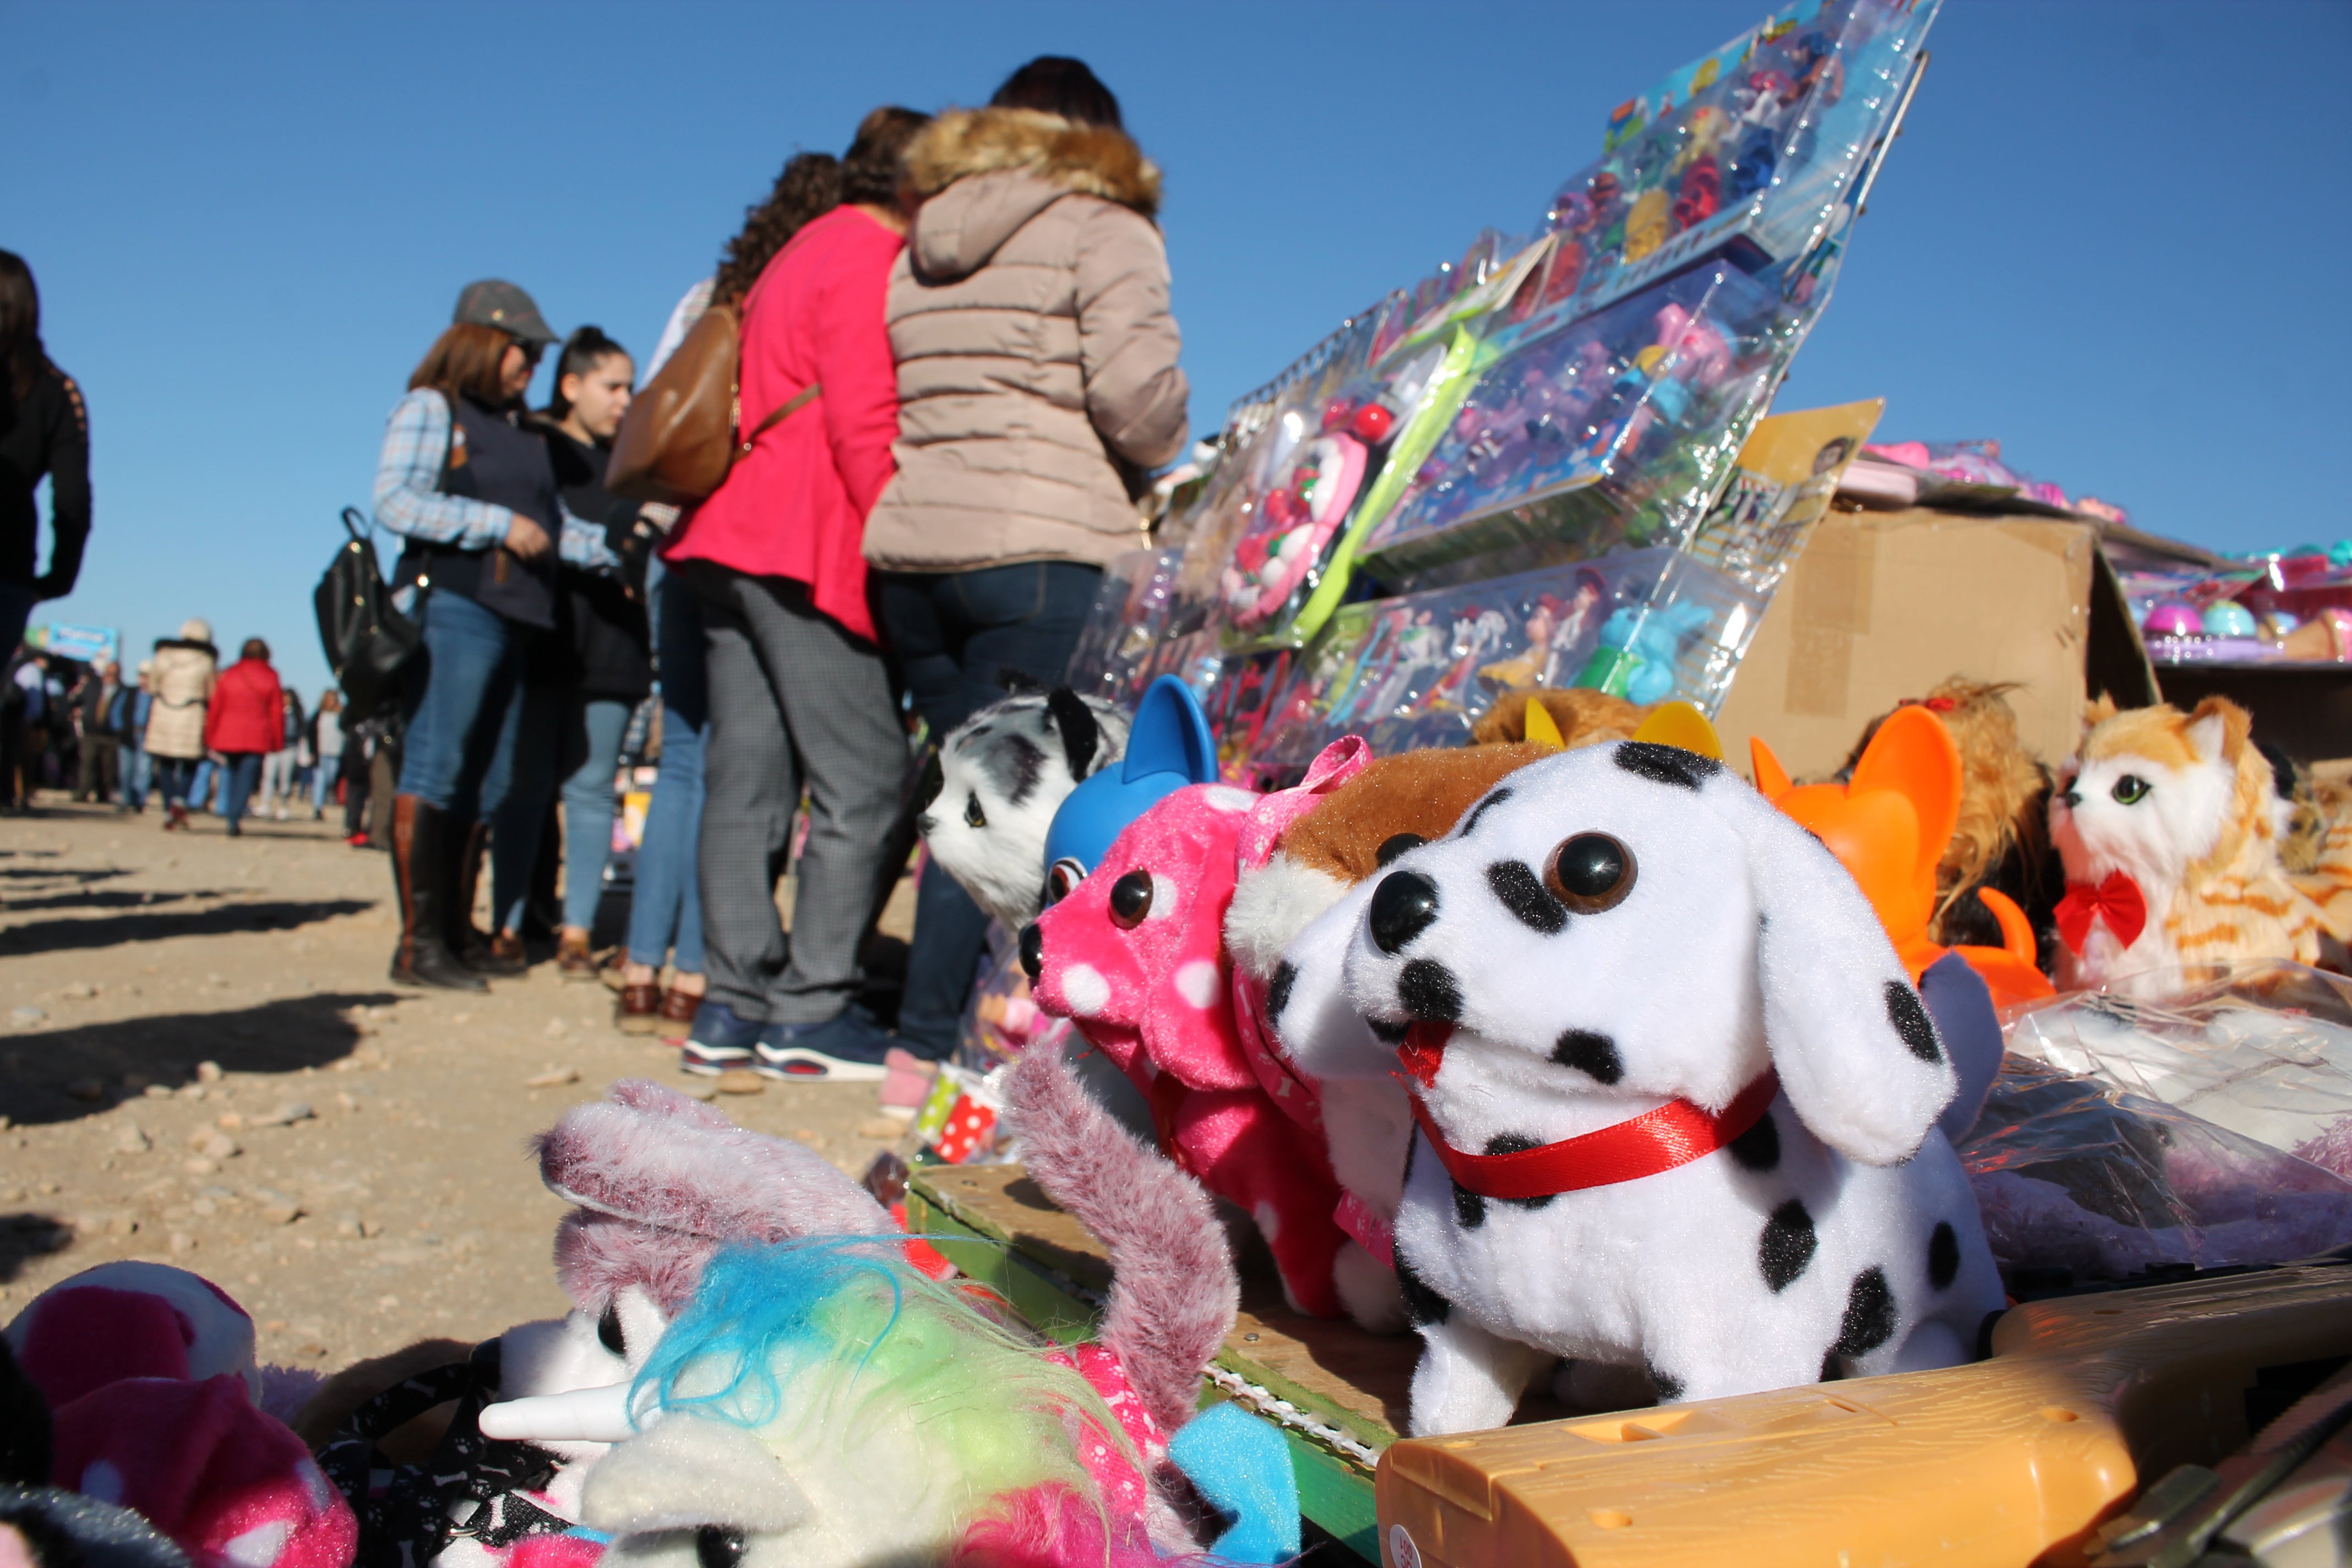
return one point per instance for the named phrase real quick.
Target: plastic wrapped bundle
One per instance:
(1132, 609)
(2080, 1181)
(2265, 1053)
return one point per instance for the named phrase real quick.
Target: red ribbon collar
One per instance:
(1674, 1134)
(2118, 901)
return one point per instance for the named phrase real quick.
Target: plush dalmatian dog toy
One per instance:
(1675, 1099)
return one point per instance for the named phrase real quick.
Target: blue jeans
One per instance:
(459, 708)
(240, 776)
(137, 769)
(208, 780)
(666, 910)
(557, 728)
(955, 633)
(323, 782)
(174, 778)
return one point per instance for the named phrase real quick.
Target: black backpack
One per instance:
(367, 641)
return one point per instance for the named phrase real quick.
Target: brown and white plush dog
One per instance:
(1339, 847)
(1676, 1100)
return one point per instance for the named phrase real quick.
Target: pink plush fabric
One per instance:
(233, 1487)
(664, 1181)
(1157, 997)
(82, 1339)
(1173, 1290)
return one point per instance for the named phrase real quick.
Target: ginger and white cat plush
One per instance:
(2167, 823)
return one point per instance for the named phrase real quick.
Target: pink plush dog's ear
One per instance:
(640, 1155)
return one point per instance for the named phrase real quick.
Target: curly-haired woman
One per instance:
(800, 696)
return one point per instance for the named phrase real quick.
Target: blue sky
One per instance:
(2112, 235)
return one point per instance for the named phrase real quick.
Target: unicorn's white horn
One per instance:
(582, 1416)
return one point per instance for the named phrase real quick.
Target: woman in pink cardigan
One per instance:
(800, 696)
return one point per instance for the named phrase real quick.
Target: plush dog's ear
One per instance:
(1855, 1050)
(1015, 682)
(1074, 723)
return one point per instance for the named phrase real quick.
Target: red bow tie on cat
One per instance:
(2118, 901)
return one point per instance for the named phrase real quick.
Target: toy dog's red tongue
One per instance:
(1423, 1051)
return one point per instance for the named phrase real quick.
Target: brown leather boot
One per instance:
(573, 961)
(419, 868)
(483, 952)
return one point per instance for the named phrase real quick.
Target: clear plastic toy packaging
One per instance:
(1418, 670)
(1615, 430)
(1758, 151)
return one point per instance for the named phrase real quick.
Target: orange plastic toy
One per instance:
(1889, 828)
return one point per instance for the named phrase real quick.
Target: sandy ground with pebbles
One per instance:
(202, 1063)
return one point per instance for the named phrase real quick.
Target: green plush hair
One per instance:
(842, 1336)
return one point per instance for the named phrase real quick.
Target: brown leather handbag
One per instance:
(678, 438)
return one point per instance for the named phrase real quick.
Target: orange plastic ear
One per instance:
(2016, 930)
(1771, 778)
(1913, 755)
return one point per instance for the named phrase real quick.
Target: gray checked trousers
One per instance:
(795, 701)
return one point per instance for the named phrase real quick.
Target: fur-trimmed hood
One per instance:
(984, 172)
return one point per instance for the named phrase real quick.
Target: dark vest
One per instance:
(507, 466)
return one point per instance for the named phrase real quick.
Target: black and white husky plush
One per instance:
(1002, 775)
(1675, 1098)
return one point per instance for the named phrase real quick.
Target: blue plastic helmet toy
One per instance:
(1168, 748)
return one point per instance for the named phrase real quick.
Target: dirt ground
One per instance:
(203, 1063)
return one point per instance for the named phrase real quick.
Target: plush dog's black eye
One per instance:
(716, 1546)
(973, 815)
(1130, 900)
(2130, 790)
(1590, 873)
(934, 781)
(1391, 847)
(1062, 877)
(608, 1330)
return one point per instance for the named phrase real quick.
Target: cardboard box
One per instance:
(1882, 605)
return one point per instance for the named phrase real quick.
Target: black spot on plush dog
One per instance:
(1665, 764)
(1277, 990)
(1429, 990)
(1786, 1245)
(1868, 1323)
(1421, 1304)
(1909, 1016)
(1524, 894)
(1591, 1053)
(1943, 1255)
(1759, 1148)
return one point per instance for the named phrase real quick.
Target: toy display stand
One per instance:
(2012, 1460)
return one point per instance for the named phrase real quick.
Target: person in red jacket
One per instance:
(799, 693)
(245, 724)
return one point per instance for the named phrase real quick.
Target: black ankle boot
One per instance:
(420, 870)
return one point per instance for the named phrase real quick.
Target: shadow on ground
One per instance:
(106, 899)
(112, 931)
(26, 1236)
(60, 1075)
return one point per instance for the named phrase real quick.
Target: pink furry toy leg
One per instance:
(1247, 1151)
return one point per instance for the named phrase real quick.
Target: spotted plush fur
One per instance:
(1835, 1237)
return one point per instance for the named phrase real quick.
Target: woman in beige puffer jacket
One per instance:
(185, 668)
(1037, 387)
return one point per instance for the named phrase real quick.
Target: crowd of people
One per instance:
(959, 367)
(182, 732)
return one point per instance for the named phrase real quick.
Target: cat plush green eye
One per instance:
(2130, 790)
